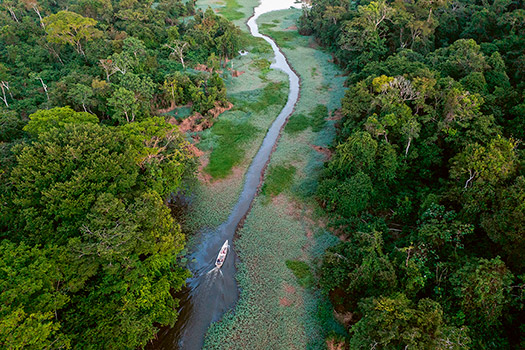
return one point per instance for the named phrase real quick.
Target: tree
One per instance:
(66, 27)
(124, 104)
(47, 119)
(10, 126)
(4, 85)
(491, 164)
(109, 67)
(44, 86)
(82, 95)
(396, 323)
(58, 177)
(505, 222)
(460, 59)
(359, 267)
(483, 287)
(177, 48)
(33, 5)
(10, 6)
(33, 293)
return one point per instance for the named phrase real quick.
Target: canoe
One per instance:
(222, 255)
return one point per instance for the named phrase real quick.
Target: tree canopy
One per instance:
(425, 178)
(89, 247)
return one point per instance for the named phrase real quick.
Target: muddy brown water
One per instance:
(211, 292)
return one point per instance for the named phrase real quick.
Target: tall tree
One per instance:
(66, 27)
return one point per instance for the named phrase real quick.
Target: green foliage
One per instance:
(202, 91)
(127, 76)
(262, 64)
(300, 122)
(88, 243)
(302, 271)
(396, 323)
(425, 157)
(30, 280)
(88, 256)
(277, 179)
(318, 116)
(483, 290)
(46, 120)
(66, 27)
(10, 126)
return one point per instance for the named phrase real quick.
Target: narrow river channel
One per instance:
(212, 292)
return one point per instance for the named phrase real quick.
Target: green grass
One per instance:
(272, 94)
(261, 64)
(278, 178)
(258, 45)
(231, 10)
(180, 113)
(283, 38)
(229, 151)
(302, 272)
(318, 117)
(316, 120)
(297, 123)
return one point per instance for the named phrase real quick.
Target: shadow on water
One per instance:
(211, 291)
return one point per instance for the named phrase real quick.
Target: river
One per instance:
(211, 292)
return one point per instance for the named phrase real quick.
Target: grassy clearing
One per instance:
(231, 10)
(229, 139)
(283, 38)
(273, 94)
(278, 178)
(232, 139)
(316, 120)
(302, 272)
(318, 117)
(237, 11)
(297, 123)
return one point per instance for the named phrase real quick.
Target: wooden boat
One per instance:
(222, 255)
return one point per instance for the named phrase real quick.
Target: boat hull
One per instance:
(222, 255)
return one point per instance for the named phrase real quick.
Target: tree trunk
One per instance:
(408, 146)
(3, 92)
(13, 14)
(472, 176)
(44, 86)
(39, 16)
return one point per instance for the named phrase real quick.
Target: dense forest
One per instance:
(426, 186)
(88, 250)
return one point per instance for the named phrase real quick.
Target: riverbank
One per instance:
(282, 236)
(230, 145)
